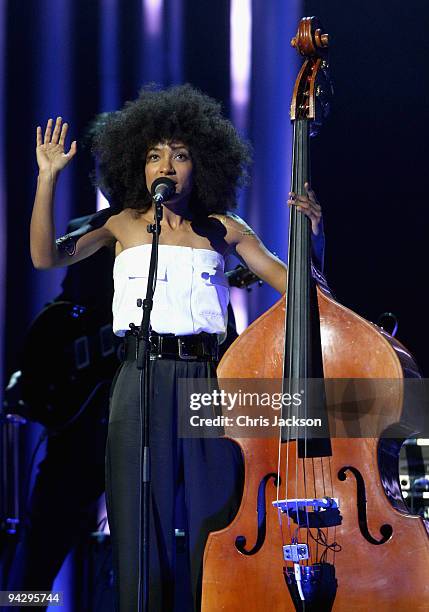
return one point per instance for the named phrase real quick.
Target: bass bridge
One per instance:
(311, 512)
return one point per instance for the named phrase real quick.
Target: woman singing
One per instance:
(180, 134)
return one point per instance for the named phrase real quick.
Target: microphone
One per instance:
(162, 190)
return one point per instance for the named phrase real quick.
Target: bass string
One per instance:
(299, 340)
(287, 372)
(327, 485)
(296, 331)
(301, 229)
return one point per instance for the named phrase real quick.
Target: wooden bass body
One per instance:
(376, 538)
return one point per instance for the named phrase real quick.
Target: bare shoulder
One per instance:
(118, 219)
(120, 224)
(236, 227)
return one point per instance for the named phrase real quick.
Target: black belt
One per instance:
(198, 347)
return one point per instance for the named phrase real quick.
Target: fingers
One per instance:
(73, 149)
(55, 137)
(50, 150)
(314, 211)
(63, 134)
(311, 194)
(308, 205)
(307, 202)
(48, 132)
(57, 130)
(300, 201)
(58, 136)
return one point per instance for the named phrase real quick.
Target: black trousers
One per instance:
(209, 471)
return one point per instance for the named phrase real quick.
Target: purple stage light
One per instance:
(241, 51)
(241, 69)
(152, 10)
(101, 201)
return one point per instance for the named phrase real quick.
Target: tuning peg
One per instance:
(322, 40)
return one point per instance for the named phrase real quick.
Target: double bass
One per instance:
(322, 524)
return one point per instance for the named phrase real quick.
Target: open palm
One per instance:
(50, 152)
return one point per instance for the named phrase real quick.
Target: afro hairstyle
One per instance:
(121, 140)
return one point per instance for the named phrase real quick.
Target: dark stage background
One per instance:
(369, 162)
(76, 58)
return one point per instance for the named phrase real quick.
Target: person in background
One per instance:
(63, 504)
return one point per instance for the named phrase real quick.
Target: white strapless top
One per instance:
(191, 294)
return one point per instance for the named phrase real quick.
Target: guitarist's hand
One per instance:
(50, 152)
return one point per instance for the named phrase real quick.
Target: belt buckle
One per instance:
(183, 354)
(155, 346)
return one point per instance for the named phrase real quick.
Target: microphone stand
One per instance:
(143, 361)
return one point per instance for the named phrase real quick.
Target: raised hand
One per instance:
(50, 153)
(308, 205)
